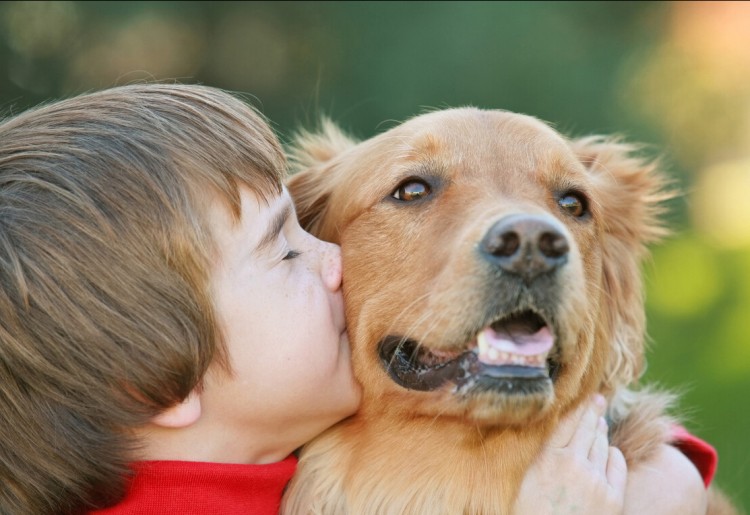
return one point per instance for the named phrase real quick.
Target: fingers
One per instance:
(586, 433)
(577, 471)
(571, 424)
(599, 451)
(617, 473)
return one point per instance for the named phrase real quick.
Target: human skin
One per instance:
(278, 301)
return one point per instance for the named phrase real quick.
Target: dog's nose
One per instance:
(525, 245)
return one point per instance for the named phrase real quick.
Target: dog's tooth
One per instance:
(482, 343)
(492, 355)
(536, 360)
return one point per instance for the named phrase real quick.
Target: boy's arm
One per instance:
(667, 484)
(674, 481)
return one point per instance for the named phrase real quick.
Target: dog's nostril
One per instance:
(553, 244)
(507, 245)
(501, 243)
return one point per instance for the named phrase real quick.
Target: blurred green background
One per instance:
(675, 76)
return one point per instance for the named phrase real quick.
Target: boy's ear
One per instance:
(180, 415)
(630, 193)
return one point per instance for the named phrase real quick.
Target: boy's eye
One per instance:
(291, 255)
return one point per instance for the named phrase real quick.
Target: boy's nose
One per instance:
(331, 266)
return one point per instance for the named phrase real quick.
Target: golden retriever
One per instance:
(492, 283)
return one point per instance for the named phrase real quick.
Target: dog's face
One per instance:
(490, 265)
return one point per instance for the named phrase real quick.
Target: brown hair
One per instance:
(105, 315)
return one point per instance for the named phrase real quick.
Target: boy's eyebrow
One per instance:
(275, 227)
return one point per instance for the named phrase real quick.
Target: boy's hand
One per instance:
(577, 472)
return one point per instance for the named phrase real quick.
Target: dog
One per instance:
(492, 284)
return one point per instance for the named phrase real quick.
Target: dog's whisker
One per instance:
(404, 313)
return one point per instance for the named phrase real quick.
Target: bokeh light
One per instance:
(688, 280)
(721, 206)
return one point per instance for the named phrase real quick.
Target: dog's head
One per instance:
(491, 266)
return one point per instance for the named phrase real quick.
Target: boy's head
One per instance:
(105, 247)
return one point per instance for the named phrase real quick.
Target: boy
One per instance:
(168, 333)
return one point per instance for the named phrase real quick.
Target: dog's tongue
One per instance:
(514, 344)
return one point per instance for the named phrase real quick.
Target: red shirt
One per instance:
(202, 488)
(703, 455)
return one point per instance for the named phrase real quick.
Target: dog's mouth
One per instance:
(514, 354)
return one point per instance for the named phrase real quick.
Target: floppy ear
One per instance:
(311, 156)
(630, 193)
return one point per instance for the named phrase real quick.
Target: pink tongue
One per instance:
(519, 342)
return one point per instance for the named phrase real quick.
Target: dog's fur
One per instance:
(416, 269)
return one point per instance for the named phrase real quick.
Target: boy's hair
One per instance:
(105, 312)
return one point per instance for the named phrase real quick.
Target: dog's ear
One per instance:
(312, 159)
(630, 193)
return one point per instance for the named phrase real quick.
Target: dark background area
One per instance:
(675, 76)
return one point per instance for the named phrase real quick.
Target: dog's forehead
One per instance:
(484, 150)
(470, 135)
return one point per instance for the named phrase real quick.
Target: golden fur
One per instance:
(411, 268)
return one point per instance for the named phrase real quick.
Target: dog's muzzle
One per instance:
(514, 351)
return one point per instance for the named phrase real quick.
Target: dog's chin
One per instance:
(505, 374)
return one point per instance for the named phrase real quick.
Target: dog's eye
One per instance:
(411, 189)
(574, 204)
